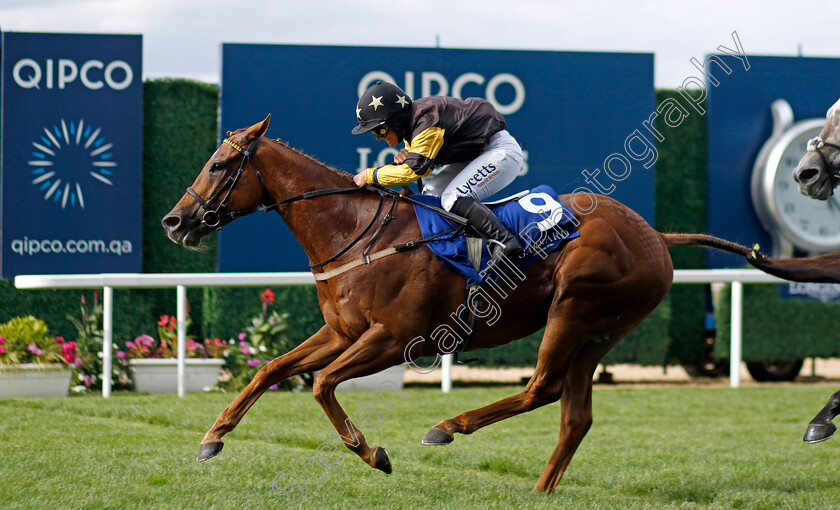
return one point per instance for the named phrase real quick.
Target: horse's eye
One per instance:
(216, 168)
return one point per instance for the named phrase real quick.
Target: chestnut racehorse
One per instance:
(589, 294)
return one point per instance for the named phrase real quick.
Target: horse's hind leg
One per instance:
(544, 387)
(821, 427)
(576, 409)
(314, 353)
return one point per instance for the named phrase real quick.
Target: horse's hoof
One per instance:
(383, 461)
(436, 436)
(819, 432)
(208, 450)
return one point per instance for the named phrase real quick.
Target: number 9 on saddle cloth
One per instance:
(542, 223)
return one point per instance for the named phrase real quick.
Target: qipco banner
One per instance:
(72, 153)
(584, 120)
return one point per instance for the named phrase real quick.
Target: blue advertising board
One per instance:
(574, 114)
(72, 139)
(740, 121)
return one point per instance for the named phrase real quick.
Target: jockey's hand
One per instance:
(400, 158)
(360, 179)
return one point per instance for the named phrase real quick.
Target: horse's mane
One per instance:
(338, 172)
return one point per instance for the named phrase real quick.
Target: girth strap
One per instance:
(397, 248)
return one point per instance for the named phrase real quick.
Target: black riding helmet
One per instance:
(382, 104)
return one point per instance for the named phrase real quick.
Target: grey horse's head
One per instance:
(818, 171)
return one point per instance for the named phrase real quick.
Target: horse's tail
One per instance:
(820, 269)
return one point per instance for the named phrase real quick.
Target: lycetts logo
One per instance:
(475, 181)
(66, 157)
(93, 74)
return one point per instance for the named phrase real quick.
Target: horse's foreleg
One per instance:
(312, 354)
(821, 427)
(373, 352)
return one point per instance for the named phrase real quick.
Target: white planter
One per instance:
(392, 376)
(160, 375)
(31, 380)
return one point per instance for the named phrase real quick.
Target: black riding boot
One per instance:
(502, 241)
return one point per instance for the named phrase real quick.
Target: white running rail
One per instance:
(110, 281)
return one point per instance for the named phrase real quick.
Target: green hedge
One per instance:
(681, 180)
(180, 132)
(646, 345)
(776, 329)
(228, 310)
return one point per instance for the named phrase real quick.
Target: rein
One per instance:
(213, 217)
(815, 145)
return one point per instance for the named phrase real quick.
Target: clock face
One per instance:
(808, 223)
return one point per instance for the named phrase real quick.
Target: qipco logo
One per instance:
(430, 80)
(52, 74)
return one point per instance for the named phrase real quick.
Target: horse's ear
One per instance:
(257, 130)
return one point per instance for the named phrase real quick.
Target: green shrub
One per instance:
(28, 340)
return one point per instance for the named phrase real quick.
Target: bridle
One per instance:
(213, 217)
(815, 144)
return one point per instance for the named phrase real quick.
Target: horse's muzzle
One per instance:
(178, 229)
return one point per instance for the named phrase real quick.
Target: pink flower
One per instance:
(243, 344)
(2, 349)
(246, 351)
(274, 387)
(34, 349)
(78, 362)
(120, 354)
(129, 344)
(253, 362)
(88, 380)
(164, 320)
(68, 352)
(3, 340)
(59, 340)
(242, 336)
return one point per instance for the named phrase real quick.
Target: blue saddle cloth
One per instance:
(541, 221)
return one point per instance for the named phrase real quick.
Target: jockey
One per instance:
(466, 137)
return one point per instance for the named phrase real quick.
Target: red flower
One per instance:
(267, 296)
(164, 320)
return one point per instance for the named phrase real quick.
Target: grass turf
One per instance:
(684, 447)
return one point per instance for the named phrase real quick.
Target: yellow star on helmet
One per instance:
(401, 101)
(359, 113)
(377, 102)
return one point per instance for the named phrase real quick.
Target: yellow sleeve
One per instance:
(392, 175)
(426, 145)
(419, 162)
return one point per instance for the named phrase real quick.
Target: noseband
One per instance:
(815, 145)
(212, 217)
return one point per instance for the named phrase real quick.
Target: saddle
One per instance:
(542, 223)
